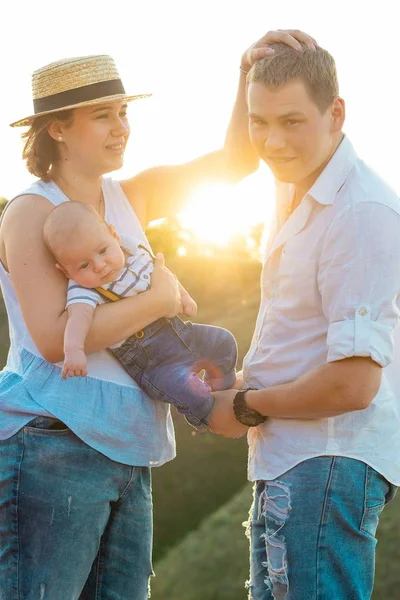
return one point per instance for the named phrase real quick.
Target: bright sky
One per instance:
(187, 53)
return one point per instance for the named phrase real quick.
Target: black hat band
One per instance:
(94, 91)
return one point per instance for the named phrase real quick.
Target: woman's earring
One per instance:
(59, 138)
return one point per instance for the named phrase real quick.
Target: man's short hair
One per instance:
(316, 68)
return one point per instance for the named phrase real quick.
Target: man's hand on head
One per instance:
(261, 48)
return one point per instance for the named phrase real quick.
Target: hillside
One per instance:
(212, 562)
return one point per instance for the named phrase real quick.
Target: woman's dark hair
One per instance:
(41, 150)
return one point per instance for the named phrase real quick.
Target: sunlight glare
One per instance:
(216, 213)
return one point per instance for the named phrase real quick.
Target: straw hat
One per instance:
(74, 82)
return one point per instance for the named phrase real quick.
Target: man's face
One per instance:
(289, 131)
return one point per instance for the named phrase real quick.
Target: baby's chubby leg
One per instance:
(166, 363)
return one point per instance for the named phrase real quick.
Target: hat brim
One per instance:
(27, 121)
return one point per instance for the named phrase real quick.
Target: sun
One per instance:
(217, 213)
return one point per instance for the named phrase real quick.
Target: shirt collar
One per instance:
(334, 175)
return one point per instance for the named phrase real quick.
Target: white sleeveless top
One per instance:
(106, 409)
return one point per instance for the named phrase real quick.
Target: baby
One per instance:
(163, 357)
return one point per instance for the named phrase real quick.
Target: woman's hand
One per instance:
(260, 49)
(165, 287)
(223, 420)
(188, 305)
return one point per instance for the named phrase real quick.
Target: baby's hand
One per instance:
(75, 364)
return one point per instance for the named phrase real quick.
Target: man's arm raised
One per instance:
(162, 191)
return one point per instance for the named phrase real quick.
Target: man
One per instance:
(324, 421)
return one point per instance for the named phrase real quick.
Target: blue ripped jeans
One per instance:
(312, 531)
(74, 525)
(164, 359)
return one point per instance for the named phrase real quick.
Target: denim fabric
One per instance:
(164, 360)
(73, 524)
(312, 531)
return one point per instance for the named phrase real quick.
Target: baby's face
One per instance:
(95, 259)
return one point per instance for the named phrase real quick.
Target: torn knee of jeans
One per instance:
(277, 580)
(278, 590)
(275, 502)
(275, 506)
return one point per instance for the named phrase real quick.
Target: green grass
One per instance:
(208, 469)
(212, 562)
(387, 581)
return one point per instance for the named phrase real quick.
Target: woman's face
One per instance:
(97, 137)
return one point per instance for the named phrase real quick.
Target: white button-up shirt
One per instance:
(330, 289)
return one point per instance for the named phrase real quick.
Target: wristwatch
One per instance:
(244, 414)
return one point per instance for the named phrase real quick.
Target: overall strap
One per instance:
(108, 294)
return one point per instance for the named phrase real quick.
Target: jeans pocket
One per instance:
(47, 426)
(370, 519)
(377, 494)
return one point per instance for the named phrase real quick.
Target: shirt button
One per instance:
(268, 295)
(363, 311)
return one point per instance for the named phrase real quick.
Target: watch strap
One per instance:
(243, 413)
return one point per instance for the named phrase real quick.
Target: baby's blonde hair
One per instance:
(67, 221)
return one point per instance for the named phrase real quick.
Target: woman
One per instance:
(75, 456)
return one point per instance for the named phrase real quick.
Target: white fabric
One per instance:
(133, 278)
(330, 289)
(118, 212)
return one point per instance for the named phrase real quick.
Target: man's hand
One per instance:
(261, 48)
(223, 420)
(75, 364)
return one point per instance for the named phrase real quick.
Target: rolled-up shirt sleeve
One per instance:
(359, 282)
